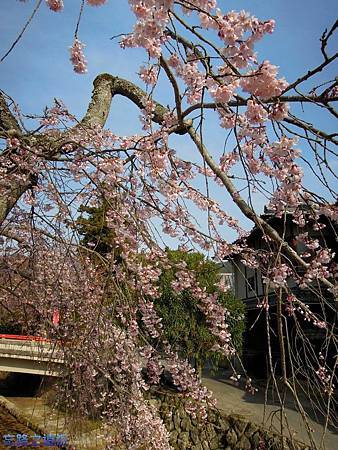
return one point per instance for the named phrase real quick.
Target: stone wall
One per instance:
(218, 432)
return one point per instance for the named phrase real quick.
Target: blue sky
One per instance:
(38, 69)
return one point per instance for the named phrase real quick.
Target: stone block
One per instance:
(240, 426)
(224, 425)
(177, 421)
(214, 443)
(210, 429)
(183, 441)
(255, 439)
(202, 433)
(251, 429)
(169, 424)
(181, 411)
(194, 435)
(243, 444)
(205, 445)
(173, 437)
(186, 423)
(231, 437)
(184, 436)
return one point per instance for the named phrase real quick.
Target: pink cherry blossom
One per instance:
(149, 75)
(96, 2)
(77, 57)
(263, 82)
(279, 111)
(255, 112)
(55, 5)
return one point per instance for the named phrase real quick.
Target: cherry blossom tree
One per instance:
(208, 61)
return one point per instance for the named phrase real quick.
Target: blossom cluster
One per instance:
(152, 18)
(55, 5)
(263, 82)
(77, 57)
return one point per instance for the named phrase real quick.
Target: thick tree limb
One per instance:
(10, 197)
(9, 126)
(106, 86)
(8, 123)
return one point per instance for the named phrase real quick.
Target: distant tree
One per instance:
(184, 324)
(95, 233)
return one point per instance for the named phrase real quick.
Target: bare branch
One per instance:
(325, 37)
(310, 73)
(305, 126)
(239, 101)
(35, 10)
(175, 87)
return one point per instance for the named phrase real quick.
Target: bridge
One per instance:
(30, 354)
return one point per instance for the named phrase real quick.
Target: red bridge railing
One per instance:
(19, 337)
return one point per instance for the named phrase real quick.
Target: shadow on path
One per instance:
(264, 407)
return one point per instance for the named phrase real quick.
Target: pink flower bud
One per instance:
(96, 2)
(77, 57)
(55, 5)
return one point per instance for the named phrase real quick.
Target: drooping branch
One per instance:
(246, 209)
(35, 10)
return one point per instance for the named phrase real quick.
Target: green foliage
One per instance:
(185, 325)
(8, 325)
(96, 235)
